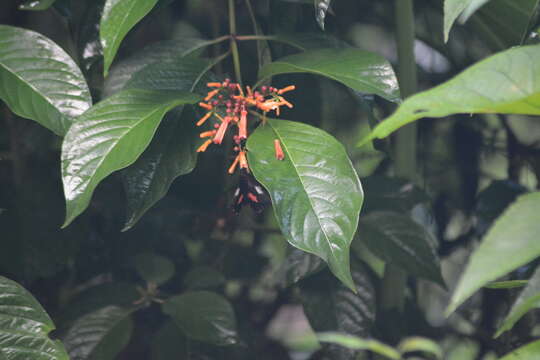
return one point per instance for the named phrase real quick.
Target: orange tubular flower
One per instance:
(211, 94)
(233, 166)
(206, 106)
(209, 133)
(242, 125)
(286, 89)
(279, 151)
(221, 131)
(252, 197)
(204, 146)
(243, 160)
(204, 118)
(214, 84)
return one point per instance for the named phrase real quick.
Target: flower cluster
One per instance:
(229, 105)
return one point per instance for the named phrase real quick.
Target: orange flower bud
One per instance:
(286, 89)
(213, 84)
(204, 146)
(242, 125)
(233, 166)
(207, 134)
(206, 106)
(243, 160)
(252, 197)
(279, 151)
(211, 94)
(204, 118)
(221, 131)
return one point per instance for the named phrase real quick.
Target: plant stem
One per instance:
(394, 281)
(234, 45)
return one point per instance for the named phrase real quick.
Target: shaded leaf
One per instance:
(513, 237)
(321, 8)
(454, 8)
(315, 191)
(203, 277)
(118, 17)
(357, 343)
(298, 265)
(526, 352)
(528, 299)
(154, 268)
(391, 194)
(100, 335)
(360, 70)
(399, 240)
(36, 4)
(510, 284)
(110, 136)
(39, 81)
(507, 83)
(203, 316)
(309, 41)
(169, 343)
(412, 344)
(24, 326)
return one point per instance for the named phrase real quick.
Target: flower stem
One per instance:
(234, 45)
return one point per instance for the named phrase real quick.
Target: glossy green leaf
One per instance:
(510, 284)
(203, 316)
(118, 17)
(100, 335)
(203, 277)
(110, 136)
(36, 5)
(508, 83)
(415, 343)
(321, 8)
(160, 52)
(154, 268)
(513, 237)
(360, 70)
(172, 152)
(397, 239)
(357, 343)
(24, 326)
(330, 306)
(39, 81)
(526, 352)
(528, 299)
(315, 191)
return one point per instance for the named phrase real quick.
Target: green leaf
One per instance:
(528, 299)
(118, 17)
(39, 81)
(297, 266)
(454, 8)
(36, 4)
(513, 237)
(100, 335)
(507, 83)
(360, 70)
(356, 343)
(169, 343)
(510, 284)
(154, 268)
(203, 277)
(24, 326)
(172, 152)
(415, 343)
(110, 136)
(203, 316)
(160, 52)
(321, 8)
(397, 239)
(315, 191)
(526, 352)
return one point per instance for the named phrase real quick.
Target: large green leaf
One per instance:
(399, 240)
(203, 316)
(508, 83)
(24, 326)
(110, 136)
(100, 335)
(172, 152)
(528, 299)
(315, 191)
(36, 4)
(360, 70)
(118, 17)
(513, 237)
(526, 352)
(39, 81)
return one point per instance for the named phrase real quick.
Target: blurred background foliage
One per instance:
(469, 171)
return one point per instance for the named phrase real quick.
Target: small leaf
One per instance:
(315, 191)
(321, 8)
(36, 5)
(526, 352)
(507, 83)
(360, 70)
(412, 344)
(528, 299)
(110, 136)
(397, 239)
(39, 81)
(203, 316)
(24, 326)
(513, 237)
(100, 335)
(203, 277)
(118, 17)
(154, 268)
(510, 284)
(356, 343)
